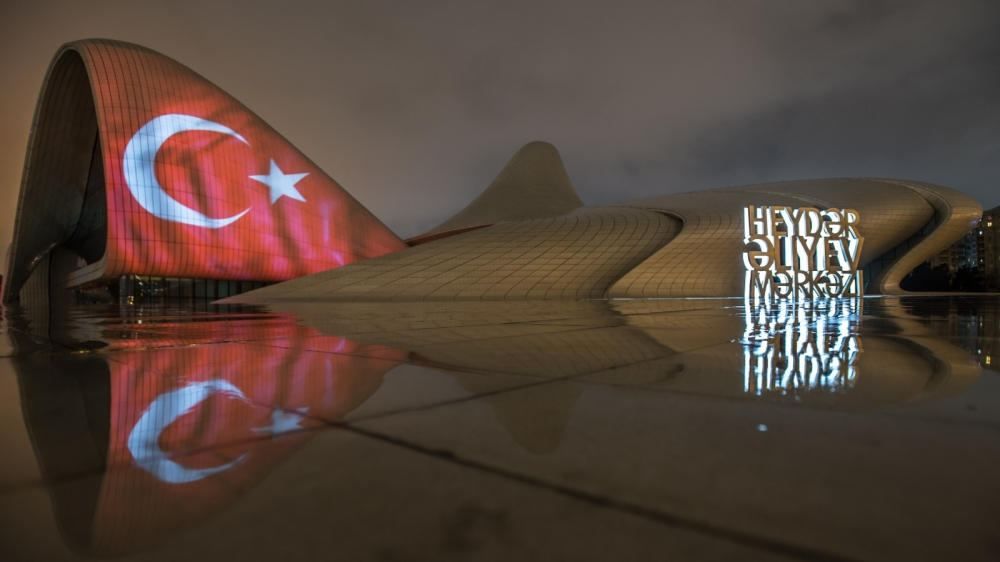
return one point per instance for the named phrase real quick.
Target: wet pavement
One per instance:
(630, 430)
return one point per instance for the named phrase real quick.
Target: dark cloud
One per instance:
(414, 106)
(933, 117)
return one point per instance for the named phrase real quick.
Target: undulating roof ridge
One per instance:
(955, 214)
(532, 185)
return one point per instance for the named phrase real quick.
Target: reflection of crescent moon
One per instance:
(139, 164)
(143, 442)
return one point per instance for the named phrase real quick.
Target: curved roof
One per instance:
(533, 185)
(97, 183)
(955, 214)
(701, 260)
(100, 124)
(682, 245)
(576, 256)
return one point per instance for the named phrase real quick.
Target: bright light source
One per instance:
(801, 253)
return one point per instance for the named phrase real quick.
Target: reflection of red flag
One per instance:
(193, 427)
(199, 186)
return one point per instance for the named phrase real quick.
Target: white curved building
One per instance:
(139, 168)
(540, 243)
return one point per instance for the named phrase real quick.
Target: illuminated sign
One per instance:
(791, 348)
(803, 253)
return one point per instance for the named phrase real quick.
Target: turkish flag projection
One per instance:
(192, 428)
(198, 186)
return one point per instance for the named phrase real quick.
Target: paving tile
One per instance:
(333, 494)
(6, 347)
(855, 484)
(18, 466)
(538, 430)
(410, 387)
(75, 406)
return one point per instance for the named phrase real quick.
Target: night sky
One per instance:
(415, 106)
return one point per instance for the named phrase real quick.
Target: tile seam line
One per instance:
(600, 501)
(990, 426)
(456, 401)
(528, 385)
(332, 424)
(325, 423)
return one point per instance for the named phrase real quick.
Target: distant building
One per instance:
(971, 263)
(978, 331)
(988, 250)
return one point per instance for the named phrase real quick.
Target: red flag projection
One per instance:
(198, 186)
(192, 428)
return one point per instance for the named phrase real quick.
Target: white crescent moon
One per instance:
(143, 441)
(139, 164)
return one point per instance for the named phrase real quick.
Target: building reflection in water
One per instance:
(792, 347)
(158, 419)
(972, 323)
(139, 444)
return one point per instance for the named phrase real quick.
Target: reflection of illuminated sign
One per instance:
(802, 253)
(791, 348)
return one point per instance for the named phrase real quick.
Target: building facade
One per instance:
(972, 263)
(988, 252)
(682, 245)
(144, 177)
(138, 166)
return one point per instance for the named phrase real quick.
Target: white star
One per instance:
(283, 422)
(280, 183)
